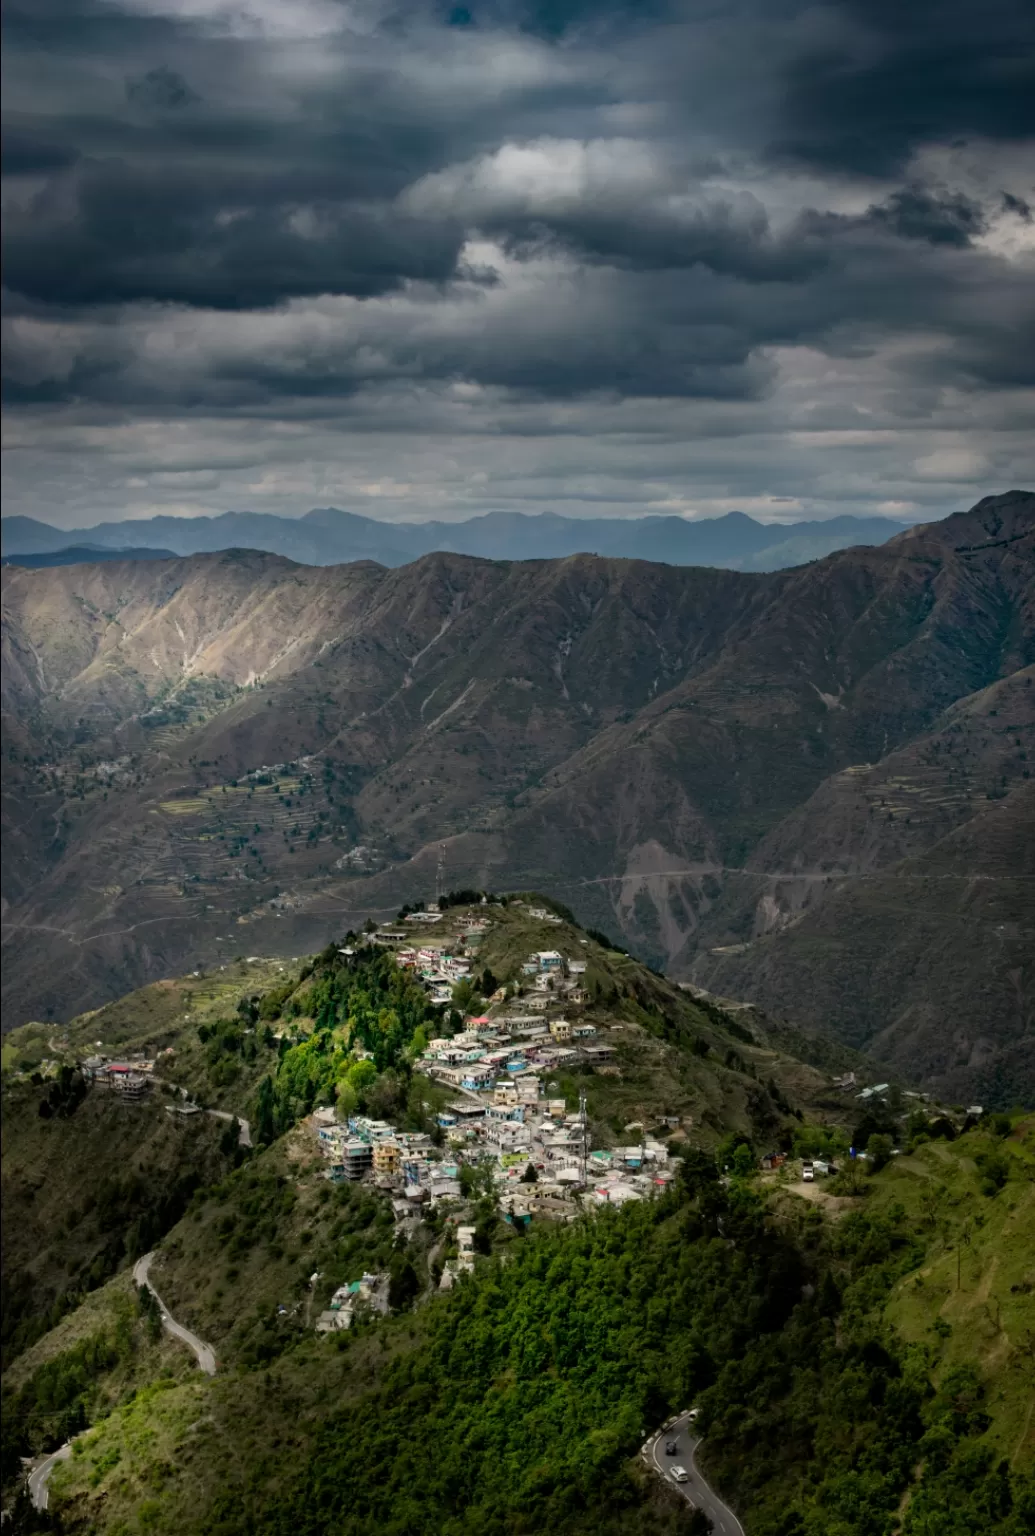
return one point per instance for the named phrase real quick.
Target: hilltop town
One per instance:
(507, 1117)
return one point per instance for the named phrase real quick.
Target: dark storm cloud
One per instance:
(212, 243)
(162, 89)
(924, 213)
(241, 206)
(239, 202)
(893, 75)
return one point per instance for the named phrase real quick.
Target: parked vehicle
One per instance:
(808, 1173)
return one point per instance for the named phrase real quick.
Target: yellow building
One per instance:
(387, 1159)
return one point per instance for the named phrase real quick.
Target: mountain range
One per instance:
(328, 536)
(807, 788)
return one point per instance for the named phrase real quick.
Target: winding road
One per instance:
(203, 1353)
(695, 1490)
(40, 1476)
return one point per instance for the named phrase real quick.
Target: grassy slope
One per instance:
(657, 1028)
(991, 1242)
(70, 1215)
(82, 1195)
(250, 1245)
(986, 1316)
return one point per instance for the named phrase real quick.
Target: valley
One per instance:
(231, 753)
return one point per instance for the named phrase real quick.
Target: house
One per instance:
(538, 1004)
(507, 1135)
(467, 1111)
(334, 1321)
(465, 1249)
(131, 1087)
(390, 936)
(357, 1159)
(443, 1190)
(331, 1139)
(560, 1029)
(550, 960)
(577, 967)
(387, 1159)
(598, 1053)
(616, 1194)
(583, 1031)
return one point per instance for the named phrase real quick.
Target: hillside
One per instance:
(94, 1182)
(849, 1355)
(232, 752)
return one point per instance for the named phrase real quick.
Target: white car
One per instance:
(680, 1475)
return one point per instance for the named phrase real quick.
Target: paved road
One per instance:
(244, 1133)
(39, 1477)
(204, 1353)
(696, 1491)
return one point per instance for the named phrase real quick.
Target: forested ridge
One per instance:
(517, 1403)
(533, 1388)
(862, 1363)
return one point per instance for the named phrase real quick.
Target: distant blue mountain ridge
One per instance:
(329, 536)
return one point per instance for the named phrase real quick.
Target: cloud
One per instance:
(161, 89)
(531, 223)
(925, 213)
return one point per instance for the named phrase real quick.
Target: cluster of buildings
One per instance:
(130, 1081)
(503, 1117)
(439, 965)
(369, 1293)
(491, 1054)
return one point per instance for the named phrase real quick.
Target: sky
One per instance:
(430, 261)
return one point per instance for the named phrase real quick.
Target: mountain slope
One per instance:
(327, 536)
(237, 751)
(518, 1401)
(787, 1313)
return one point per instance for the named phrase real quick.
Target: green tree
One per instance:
(403, 1284)
(361, 1076)
(878, 1151)
(465, 996)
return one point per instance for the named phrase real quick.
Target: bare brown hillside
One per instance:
(231, 753)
